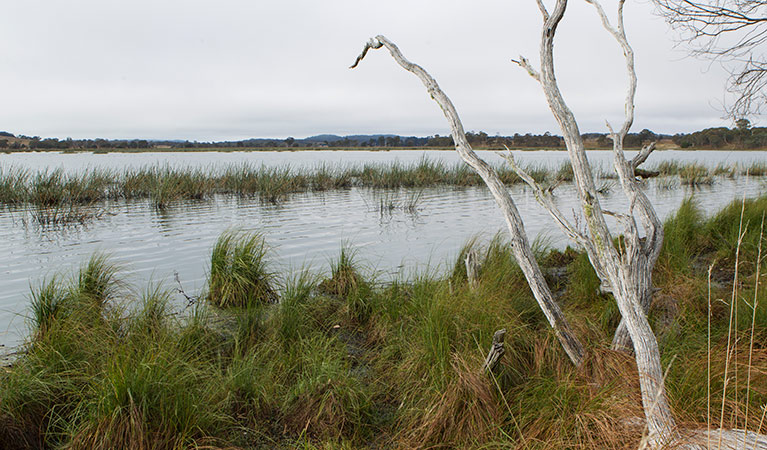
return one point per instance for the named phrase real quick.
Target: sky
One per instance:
(236, 69)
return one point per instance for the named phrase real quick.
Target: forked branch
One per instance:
(519, 242)
(546, 200)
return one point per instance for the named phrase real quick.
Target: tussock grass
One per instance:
(345, 277)
(757, 169)
(46, 303)
(564, 172)
(239, 275)
(13, 185)
(669, 167)
(694, 175)
(344, 362)
(681, 238)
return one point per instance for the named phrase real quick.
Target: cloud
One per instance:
(235, 69)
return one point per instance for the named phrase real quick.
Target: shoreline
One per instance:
(341, 359)
(99, 151)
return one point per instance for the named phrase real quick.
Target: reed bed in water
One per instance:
(342, 361)
(164, 185)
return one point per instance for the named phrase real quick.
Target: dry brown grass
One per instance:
(321, 415)
(468, 410)
(17, 435)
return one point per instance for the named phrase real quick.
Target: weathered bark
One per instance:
(496, 351)
(625, 269)
(726, 440)
(519, 242)
(622, 338)
(472, 268)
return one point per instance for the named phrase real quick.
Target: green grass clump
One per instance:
(344, 278)
(565, 172)
(756, 169)
(695, 175)
(346, 283)
(669, 167)
(723, 228)
(346, 362)
(681, 240)
(13, 185)
(46, 304)
(239, 275)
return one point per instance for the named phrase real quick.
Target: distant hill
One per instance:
(354, 137)
(745, 138)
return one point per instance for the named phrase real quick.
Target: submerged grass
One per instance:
(344, 362)
(165, 185)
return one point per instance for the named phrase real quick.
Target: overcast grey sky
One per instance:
(234, 69)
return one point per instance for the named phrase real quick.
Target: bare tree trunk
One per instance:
(625, 269)
(519, 243)
(628, 270)
(622, 338)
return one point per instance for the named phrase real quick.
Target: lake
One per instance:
(308, 229)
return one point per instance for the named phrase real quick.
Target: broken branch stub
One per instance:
(496, 351)
(472, 267)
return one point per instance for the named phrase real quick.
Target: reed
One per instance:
(165, 185)
(564, 172)
(14, 184)
(695, 175)
(756, 169)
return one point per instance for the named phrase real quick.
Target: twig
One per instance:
(180, 289)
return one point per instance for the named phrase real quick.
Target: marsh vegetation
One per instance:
(345, 361)
(56, 197)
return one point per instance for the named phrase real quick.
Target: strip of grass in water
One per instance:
(343, 361)
(59, 191)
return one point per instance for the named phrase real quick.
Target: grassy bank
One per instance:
(337, 360)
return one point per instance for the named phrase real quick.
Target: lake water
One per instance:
(309, 229)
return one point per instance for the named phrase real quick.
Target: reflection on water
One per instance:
(394, 232)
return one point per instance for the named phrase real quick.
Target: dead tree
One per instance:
(520, 244)
(730, 31)
(626, 268)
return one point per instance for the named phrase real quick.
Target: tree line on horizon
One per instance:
(741, 137)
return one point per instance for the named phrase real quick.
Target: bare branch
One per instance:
(546, 200)
(731, 31)
(642, 156)
(620, 36)
(629, 272)
(542, 8)
(617, 215)
(525, 64)
(372, 43)
(519, 242)
(625, 170)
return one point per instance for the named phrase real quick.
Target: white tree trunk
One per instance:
(519, 243)
(626, 270)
